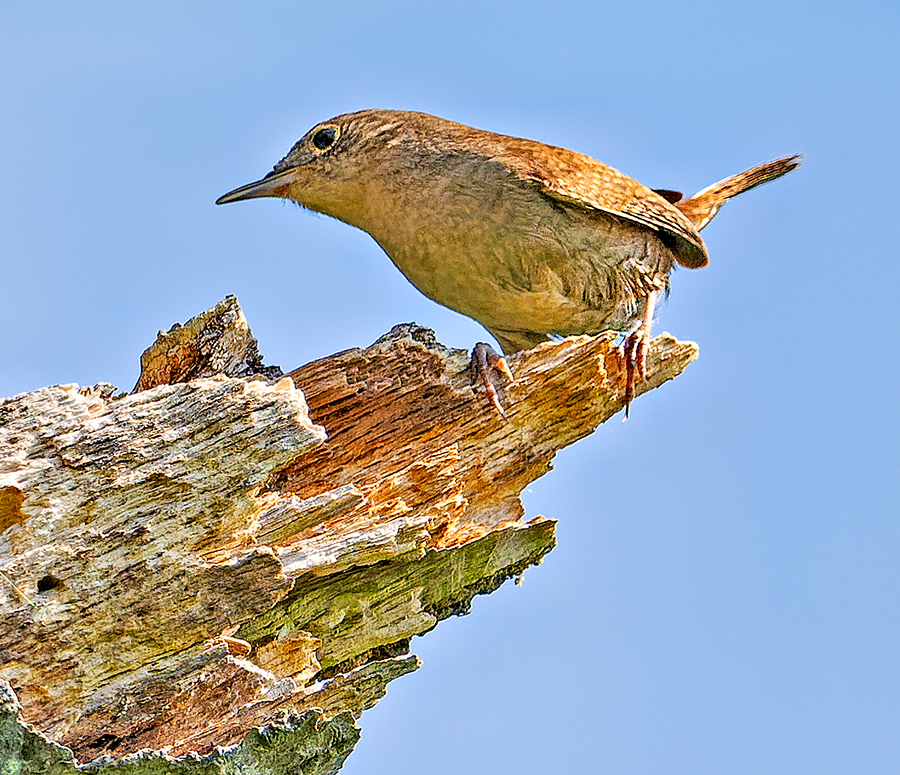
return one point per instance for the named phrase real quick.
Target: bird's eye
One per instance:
(324, 138)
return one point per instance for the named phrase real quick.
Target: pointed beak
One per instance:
(274, 184)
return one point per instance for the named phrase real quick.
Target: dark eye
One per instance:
(323, 138)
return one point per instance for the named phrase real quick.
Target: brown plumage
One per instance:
(528, 239)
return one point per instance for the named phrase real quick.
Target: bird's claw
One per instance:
(484, 360)
(635, 352)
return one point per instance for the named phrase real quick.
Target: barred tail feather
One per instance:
(702, 206)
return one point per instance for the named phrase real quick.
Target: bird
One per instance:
(530, 240)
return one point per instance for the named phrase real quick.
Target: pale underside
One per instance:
(523, 264)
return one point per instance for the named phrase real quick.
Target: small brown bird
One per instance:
(528, 239)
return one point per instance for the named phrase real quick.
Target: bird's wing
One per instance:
(585, 183)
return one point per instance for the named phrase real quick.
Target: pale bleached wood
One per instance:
(207, 557)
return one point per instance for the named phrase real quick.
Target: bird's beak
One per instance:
(273, 184)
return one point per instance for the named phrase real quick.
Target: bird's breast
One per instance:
(492, 247)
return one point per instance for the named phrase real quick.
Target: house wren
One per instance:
(528, 239)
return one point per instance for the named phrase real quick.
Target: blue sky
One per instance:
(724, 594)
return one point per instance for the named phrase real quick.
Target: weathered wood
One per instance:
(214, 342)
(195, 560)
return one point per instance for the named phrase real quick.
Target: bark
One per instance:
(225, 567)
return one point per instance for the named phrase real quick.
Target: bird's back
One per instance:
(484, 236)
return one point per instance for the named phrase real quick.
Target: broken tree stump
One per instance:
(227, 565)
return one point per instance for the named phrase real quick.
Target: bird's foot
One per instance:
(485, 361)
(635, 352)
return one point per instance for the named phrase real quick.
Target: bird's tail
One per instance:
(702, 206)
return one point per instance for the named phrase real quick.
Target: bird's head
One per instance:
(329, 169)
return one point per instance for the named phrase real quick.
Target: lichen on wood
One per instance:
(226, 550)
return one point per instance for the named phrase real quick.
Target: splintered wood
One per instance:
(193, 560)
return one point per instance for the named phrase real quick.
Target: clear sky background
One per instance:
(724, 596)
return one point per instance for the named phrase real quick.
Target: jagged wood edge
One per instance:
(586, 372)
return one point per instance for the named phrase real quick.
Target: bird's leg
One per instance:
(635, 350)
(484, 360)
